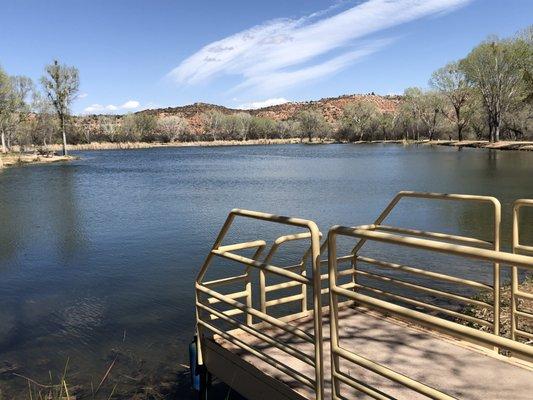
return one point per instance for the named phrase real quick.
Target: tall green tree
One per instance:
(61, 84)
(496, 68)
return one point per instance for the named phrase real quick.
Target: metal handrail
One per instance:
(206, 310)
(515, 291)
(494, 243)
(367, 233)
(240, 302)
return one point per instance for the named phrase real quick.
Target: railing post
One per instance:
(333, 313)
(317, 309)
(248, 286)
(496, 267)
(304, 287)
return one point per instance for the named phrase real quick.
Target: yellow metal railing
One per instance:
(516, 293)
(248, 305)
(207, 296)
(493, 243)
(368, 233)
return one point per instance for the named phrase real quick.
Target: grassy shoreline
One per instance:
(502, 145)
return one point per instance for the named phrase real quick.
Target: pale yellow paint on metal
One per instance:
(241, 301)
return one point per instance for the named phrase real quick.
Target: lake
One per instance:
(98, 256)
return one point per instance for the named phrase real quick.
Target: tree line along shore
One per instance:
(482, 100)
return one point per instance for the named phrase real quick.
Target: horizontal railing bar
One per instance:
(284, 300)
(437, 322)
(524, 314)
(242, 246)
(303, 223)
(524, 249)
(279, 286)
(295, 236)
(523, 333)
(339, 259)
(256, 313)
(524, 295)
(424, 289)
(293, 267)
(390, 374)
(344, 272)
(425, 244)
(225, 281)
(446, 196)
(348, 285)
(287, 285)
(229, 313)
(262, 356)
(282, 346)
(419, 303)
(436, 235)
(362, 387)
(236, 295)
(421, 272)
(266, 267)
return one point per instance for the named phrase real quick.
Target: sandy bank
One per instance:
(14, 159)
(484, 144)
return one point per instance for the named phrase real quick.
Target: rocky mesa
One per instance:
(332, 109)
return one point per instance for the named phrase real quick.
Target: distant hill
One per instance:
(331, 108)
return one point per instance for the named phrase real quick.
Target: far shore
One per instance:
(14, 158)
(501, 145)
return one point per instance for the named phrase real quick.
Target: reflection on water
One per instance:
(98, 257)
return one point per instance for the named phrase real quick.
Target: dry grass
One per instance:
(505, 309)
(145, 145)
(14, 159)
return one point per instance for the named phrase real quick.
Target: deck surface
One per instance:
(445, 364)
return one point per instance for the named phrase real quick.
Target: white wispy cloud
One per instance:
(265, 103)
(96, 108)
(82, 95)
(288, 52)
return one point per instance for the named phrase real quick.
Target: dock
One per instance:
(352, 326)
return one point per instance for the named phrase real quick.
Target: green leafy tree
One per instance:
(496, 68)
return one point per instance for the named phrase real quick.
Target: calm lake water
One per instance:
(98, 256)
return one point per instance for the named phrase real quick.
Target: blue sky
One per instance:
(135, 54)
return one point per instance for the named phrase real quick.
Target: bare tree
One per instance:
(243, 121)
(452, 83)
(359, 119)
(45, 122)
(312, 123)
(5, 99)
(61, 84)
(426, 107)
(172, 128)
(213, 123)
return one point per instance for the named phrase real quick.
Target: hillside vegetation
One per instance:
(488, 95)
